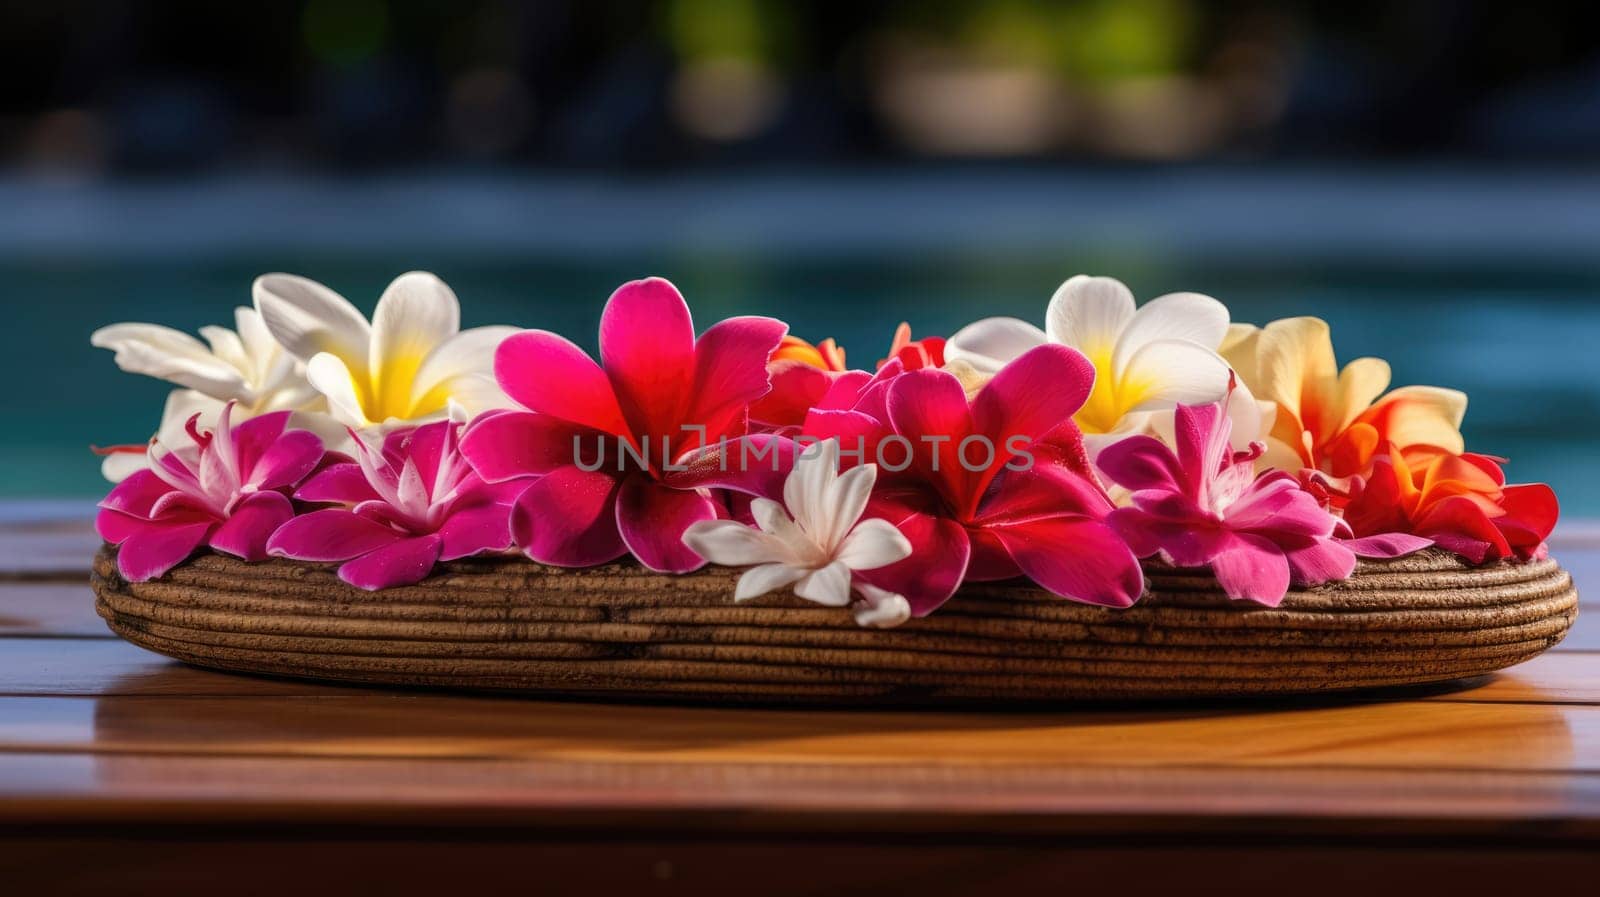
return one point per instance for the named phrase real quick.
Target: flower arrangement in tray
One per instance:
(1073, 456)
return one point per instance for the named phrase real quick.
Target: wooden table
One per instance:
(125, 772)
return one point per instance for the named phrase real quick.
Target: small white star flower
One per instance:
(816, 544)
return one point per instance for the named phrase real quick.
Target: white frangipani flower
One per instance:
(403, 368)
(816, 544)
(245, 366)
(1147, 360)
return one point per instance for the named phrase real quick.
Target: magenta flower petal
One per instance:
(548, 374)
(940, 551)
(1033, 395)
(246, 531)
(1252, 568)
(116, 527)
(731, 370)
(401, 563)
(474, 530)
(342, 483)
(137, 494)
(330, 536)
(754, 465)
(1075, 558)
(652, 518)
(150, 553)
(1319, 561)
(931, 402)
(1141, 463)
(647, 347)
(254, 437)
(568, 518)
(287, 461)
(1385, 546)
(518, 444)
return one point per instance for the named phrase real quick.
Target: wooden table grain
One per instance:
(121, 771)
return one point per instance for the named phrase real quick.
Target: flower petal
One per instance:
(170, 355)
(1076, 558)
(1141, 462)
(511, 444)
(730, 372)
(334, 379)
(137, 495)
(1191, 317)
(758, 581)
(872, 544)
(1165, 373)
(154, 550)
(546, 373)
(329, 535)
(287, 461)
(417, 313)
(990, 344)
(1385, 546)
(940, 550)
(344, 483)
(648, 349)
(307, 318)
(402, 563)
(1419, 415)
(733, 544)
(828, 585)
(652, 519)
(880, 609)
(1032, 396)
(475, 529)
(568, 518)
(455, 367)
(246, 531)
(1320, 560)
(1088, 313)
(1252, 568)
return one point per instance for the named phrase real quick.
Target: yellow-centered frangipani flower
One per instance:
(1147, 359)
(1334, 420)
(406, 367)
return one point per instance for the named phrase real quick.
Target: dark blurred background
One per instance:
(1422, 174)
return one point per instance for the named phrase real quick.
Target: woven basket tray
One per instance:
(621, 631)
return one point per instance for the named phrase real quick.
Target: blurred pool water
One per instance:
(1523, 344)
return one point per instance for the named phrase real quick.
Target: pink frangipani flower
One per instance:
(1204, 506)
(227, 489)
(408, 506)
(994, 489)
(605, 443)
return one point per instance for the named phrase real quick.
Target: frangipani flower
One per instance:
(245, 366)
(927, 352)
(408, 506)
(226, 489)
(1459, 501)
(826, 355)
(819, 547)
(1332, 420)
(994, 489)
(661, 395)
(1146, 359)
(406, 367)
(1203, 506)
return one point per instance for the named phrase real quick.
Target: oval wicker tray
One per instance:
(621, 631)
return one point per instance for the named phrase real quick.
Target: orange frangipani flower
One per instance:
(825, 355)
(1459, 500)
(1332, 420)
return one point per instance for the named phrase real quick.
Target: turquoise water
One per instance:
(1522, 344)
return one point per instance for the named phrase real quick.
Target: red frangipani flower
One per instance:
(660, 395)
(227, 489)
(409, 505)
(991, 489)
